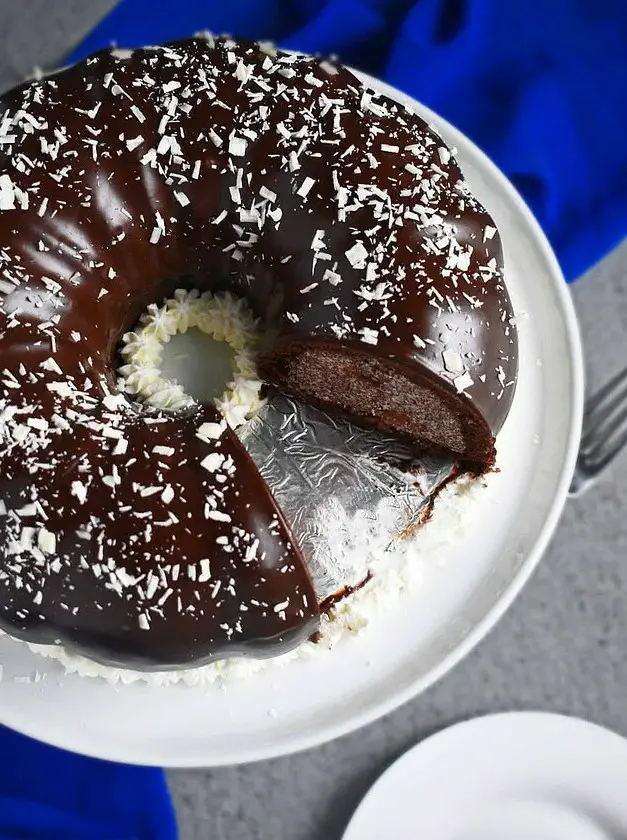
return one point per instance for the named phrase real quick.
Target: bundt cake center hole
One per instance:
(202, 366)
(195, 348)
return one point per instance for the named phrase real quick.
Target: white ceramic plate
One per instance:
(280, 711)
(520, 776)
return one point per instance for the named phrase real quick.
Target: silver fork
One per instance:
(604, 432)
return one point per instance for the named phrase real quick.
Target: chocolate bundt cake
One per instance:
(148, 539)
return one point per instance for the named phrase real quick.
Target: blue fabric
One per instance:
(540, 85)
(49, 794)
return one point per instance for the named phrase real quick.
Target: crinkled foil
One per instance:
(346, 492)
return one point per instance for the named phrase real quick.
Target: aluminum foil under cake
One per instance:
(330, 476)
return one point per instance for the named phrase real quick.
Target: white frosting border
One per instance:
(223, 317)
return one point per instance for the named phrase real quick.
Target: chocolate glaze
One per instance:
(217, 165)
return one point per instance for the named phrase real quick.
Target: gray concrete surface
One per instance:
(562, 647)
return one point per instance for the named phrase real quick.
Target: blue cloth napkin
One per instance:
(49, 794)
(539, 85)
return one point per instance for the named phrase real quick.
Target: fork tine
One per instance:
(598, 432)
(607, 451)
(608, 389)
(602, 433)
(596, 435)
(603, 406)
(608, 439)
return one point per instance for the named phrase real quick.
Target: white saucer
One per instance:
(518, 776)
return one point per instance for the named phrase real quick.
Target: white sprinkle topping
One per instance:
(218, 515)
(462, 382)
(7, 193)
(444, 155)
(134, 143)
(182, 199)
(51, 364)
(215, 138)
(211, 431)
(305, 187)
(312, 80)
(79, 490)
(237, 146)
(452, 361)
(163, 450)
(46, 541)
(138, 114)
(369, 336)
(120, 447)
(38, 423)
(357, 255)
(212, 462)
(332, 277)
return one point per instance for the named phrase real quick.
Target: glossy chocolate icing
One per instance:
(217, 165)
